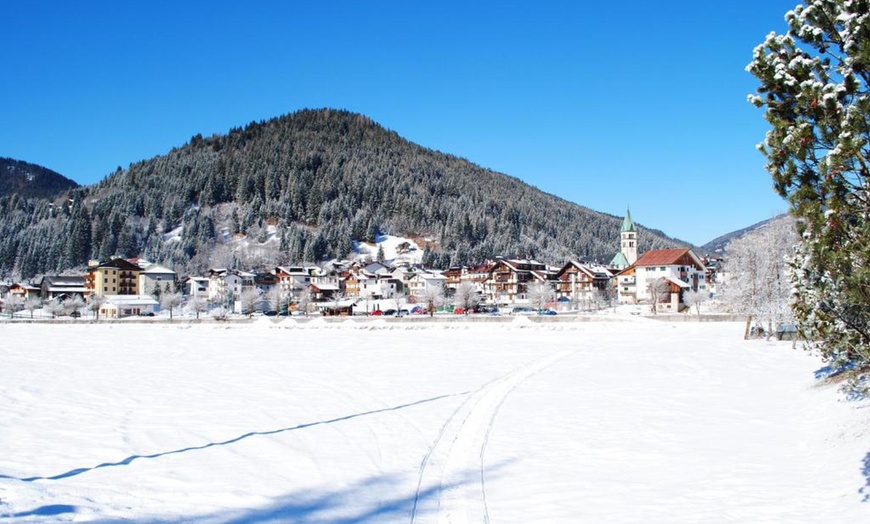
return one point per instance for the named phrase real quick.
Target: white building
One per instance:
(226, 286)
(680, 268)
(423, 281)
(120, 306)
(153, 275)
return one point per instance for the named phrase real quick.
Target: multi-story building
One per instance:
(508, 280)
(115, 277)
(154, 276)
(580, 281)
(679, 269)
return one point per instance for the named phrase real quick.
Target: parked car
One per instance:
(376, 313)
(522, 311)
(546, 312)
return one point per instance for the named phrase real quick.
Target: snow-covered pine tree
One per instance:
(815, 89)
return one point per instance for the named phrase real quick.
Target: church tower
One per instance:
(629, 239)
(627, 254)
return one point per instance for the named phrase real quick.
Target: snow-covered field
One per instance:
(623, 421)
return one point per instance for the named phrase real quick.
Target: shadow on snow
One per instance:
(865, 470)
(386, 498)
(131, 458)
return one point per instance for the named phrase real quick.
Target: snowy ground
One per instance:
(369, 421)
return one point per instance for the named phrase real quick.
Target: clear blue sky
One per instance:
(622, 103)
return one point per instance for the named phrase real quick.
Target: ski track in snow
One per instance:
(460, 449)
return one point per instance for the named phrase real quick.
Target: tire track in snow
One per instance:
(457, 455)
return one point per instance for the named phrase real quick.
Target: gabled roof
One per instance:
(591, 271)
(70, 281)
(157, 269)
(26, 286)
(130, 300)
(668, 257)
(117, 263)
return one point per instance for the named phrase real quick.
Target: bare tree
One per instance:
(277, 299)
(659, 290)
(248, 299)
(433, 297)
(197, 304)
(12, 304)
(304, 301)
(170, 301)
(466, 296)
(74, 305)
(32, 304)
(55, 307)
(605, 296)
(755, 277)
(540, 294)
(694, 298)
(95, 302)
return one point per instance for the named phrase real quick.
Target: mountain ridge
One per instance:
(304, 186)
(30, 180)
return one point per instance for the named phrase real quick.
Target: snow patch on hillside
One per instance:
(397, 250)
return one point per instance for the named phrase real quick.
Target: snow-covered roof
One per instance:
(130, 300)
(157, 269)
(678, 282)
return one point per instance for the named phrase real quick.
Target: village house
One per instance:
(155, 275)
(293, 279)
(379, 286)
(227, 285)
(54, 287)
(115, 277)
(680, 268)
(24, 291)
(265, 282)
(423, 281)
(120, 306)
(579, 281)
(325, 284)
(196, 287)
(508, 280)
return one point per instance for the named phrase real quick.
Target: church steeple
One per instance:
(628, 239)
(628, 224)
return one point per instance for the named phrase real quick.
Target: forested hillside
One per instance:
(301, 187)
(30, 180)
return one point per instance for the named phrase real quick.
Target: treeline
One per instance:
(312, 181)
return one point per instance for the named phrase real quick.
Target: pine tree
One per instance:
(815, 90)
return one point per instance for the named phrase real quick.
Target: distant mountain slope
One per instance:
(31, 180)
(717, 245)
(304, 186)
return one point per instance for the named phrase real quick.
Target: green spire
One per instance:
(628, 224)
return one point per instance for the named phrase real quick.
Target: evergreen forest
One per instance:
(301, 187)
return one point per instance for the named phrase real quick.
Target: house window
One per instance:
(663, 268)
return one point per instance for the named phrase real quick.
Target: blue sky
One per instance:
(631, 103)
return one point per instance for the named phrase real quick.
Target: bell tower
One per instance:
(629, 239)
